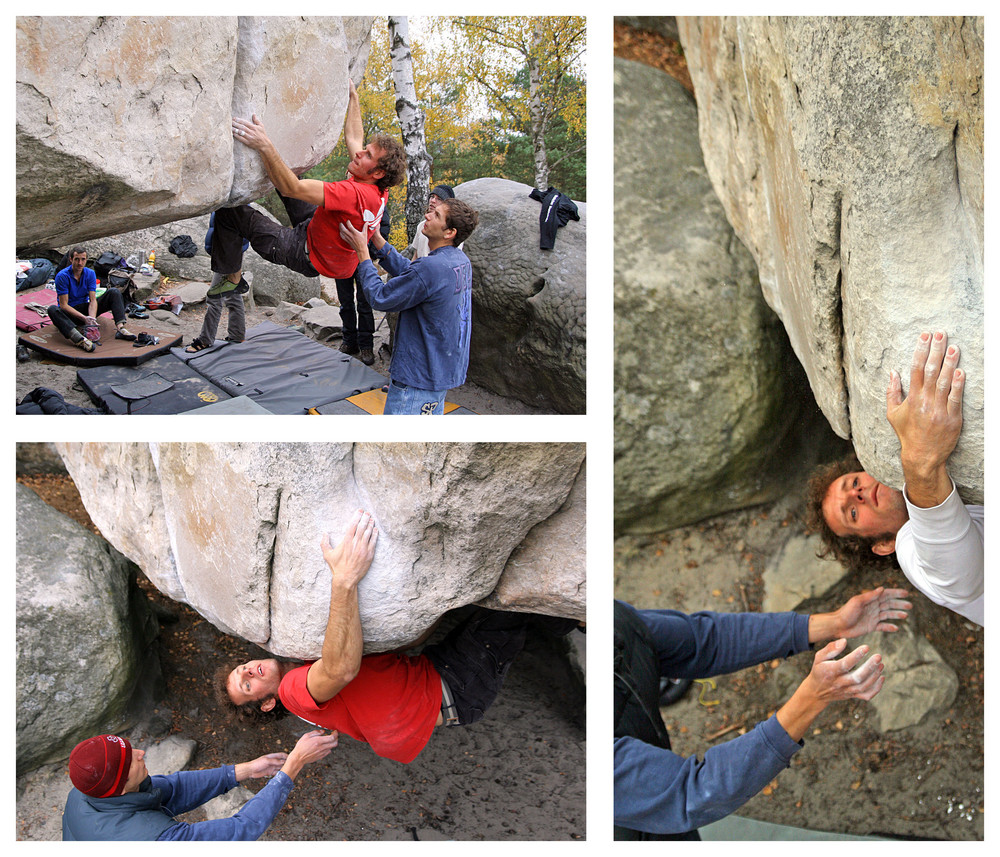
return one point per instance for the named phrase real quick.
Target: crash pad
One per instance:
(51, 343)
(282, 370)
(174, 387)
(276, 370)
(241, 406)
(29, 319)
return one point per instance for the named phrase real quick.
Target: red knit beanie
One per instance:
(99, 766)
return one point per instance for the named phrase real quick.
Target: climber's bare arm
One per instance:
(252, 134)
(343, 643)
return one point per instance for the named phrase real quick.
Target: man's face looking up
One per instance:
(253, 681)
(364, 165)
(856, 504)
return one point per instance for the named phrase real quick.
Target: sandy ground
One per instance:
(38, 372)
(923, 782)
(519, 774)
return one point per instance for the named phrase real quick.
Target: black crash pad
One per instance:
(179, 387)
(282, 370)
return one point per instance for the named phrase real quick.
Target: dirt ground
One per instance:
(519, 774)
(923, 782)
(39, 372)
(653, 49)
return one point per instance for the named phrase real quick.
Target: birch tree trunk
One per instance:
(411, 121)
(537, 112)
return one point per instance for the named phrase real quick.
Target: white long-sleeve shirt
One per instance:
(940, 550)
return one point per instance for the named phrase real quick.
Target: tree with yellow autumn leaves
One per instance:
(500, 96)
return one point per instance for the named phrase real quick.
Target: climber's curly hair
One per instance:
(392, 162)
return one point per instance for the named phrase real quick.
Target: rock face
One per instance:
(529, 325)
(85, 662)
(157, 238)
(706, 387)
(848, 155)
(234, 529)
(554, 543)
(36, 458)
(125, 122)
(665, 25)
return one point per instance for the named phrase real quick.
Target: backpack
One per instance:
(105, 262)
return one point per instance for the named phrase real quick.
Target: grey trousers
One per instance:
(213, 315)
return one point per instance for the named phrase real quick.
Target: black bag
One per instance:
(105, 262)
(121, 279)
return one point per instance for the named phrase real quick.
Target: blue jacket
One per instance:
(78, 290)
(660, 792)
(433, 296)
(148, 814)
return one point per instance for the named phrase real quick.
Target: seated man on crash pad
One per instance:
(391, 701)
(78, 305)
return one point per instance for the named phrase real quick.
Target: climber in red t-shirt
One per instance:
(390, 701)
(312, 244)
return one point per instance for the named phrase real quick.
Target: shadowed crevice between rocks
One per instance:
(267, 540)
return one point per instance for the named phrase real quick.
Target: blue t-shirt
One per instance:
(78, 290)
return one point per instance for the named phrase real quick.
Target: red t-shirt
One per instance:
(362, 204)
(392, 704)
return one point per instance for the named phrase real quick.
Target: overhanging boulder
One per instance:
(234, 529)
(848, 155)
(125, 122)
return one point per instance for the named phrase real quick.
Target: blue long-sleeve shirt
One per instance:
(253, 818)
(149, 813)
(433, 296)
(658, 791)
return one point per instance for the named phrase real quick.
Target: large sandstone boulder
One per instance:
(707, 391)
(556, 542)
(125, 122)
(234, 529)
(848, 155)
(86, 662)
(529, 325)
